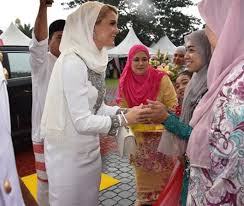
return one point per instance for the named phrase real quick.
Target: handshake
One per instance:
(154, 112)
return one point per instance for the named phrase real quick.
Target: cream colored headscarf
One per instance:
(78, 36)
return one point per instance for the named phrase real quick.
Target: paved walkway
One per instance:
(122, 194)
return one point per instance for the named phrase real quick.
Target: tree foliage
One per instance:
(26, 28)
(151, 19)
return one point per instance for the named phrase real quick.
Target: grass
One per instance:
(111, 83)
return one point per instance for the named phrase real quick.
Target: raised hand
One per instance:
(46, 2)
(49, 2)
(41, 26)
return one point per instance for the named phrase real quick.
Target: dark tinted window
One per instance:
(19, 64)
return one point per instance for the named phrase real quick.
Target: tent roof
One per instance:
(123, 48)
(165, 45)
(13, 36)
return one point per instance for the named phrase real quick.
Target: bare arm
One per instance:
(41, 27)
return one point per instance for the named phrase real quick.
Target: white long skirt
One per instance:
(74, 174)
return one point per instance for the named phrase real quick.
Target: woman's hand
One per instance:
(156, 112)
(134, 115)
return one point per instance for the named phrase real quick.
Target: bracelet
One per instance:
(125, 110)
(123, 115)
(115, 125)
(122, 120)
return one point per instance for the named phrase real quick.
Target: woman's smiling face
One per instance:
(193, 58)
(140, 63)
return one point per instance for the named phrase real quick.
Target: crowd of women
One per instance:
(206, 137)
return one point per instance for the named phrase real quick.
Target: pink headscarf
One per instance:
(138, 88)
(225, 18)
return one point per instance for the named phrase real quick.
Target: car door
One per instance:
(16, 62)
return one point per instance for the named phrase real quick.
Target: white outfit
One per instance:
(8, 170)
(72, 149)
(42, 63)
(75, 114)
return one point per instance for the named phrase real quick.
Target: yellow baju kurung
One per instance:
(152, 169)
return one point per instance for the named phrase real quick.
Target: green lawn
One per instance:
(111, 83)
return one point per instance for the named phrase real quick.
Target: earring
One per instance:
(94, 35)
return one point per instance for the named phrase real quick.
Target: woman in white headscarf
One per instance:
(74, 113)
(216, 144)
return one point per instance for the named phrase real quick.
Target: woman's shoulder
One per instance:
(165, 80)
(72, 60)
(232, 90)
(236, 74)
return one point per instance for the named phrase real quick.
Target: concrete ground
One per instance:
(122, 194)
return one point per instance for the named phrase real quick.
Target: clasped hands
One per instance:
(152, 113)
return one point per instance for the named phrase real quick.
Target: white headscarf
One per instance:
(78, 36)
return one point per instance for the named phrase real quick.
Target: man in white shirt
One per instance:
(178, 58)
(44, 52)
(10, 193)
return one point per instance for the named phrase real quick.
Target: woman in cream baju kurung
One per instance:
(79, 140)
(74, 113)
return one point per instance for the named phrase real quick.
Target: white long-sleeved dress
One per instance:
(74, 116)
(8, 172)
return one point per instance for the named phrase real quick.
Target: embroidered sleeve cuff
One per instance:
(116, 123)
(176, 126)
(124, 110)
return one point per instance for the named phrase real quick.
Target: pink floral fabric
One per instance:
(223, 183)
(146, 156)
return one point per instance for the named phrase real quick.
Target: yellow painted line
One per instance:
(31, 183)
(107, 181)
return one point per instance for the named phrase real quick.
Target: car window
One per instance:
(19, 64)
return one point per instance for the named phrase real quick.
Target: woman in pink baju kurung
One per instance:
(216, 145)
(138, 83)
